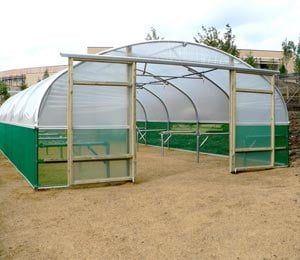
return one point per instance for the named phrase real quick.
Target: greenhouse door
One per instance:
(251, 121)
(101, 121)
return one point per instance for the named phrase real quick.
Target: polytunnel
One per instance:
(81, 125)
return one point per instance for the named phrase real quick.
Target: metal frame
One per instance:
(167, 82)
(160, 100)
(169, 135)
(232, 94)
(122, 59)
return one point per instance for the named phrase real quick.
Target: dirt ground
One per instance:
(178, 209)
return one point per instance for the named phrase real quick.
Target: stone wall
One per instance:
(294, 136)
(290, 90)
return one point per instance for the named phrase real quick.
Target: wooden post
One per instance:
(132, 122)
(232, 119)
(70, 123)
(273, 121)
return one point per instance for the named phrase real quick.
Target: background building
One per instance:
(266, 59)
(19, 79)
(94, 50)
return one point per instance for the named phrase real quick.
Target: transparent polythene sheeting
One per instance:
(54, 106)
(221, 79)
(187, 95)
(140, 111)
(253, 108)
(23, 108)
(211, 102)
(100, 105)
(102, 72)
(179, 105)
(176, 50)
(153, 106)
(45, 104)
(281, 113)
(93, 105)
(255, 82)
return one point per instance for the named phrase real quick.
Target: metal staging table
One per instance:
(171, 133)
(141, 134)
(61, 142)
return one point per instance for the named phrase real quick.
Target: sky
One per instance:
(35, 32)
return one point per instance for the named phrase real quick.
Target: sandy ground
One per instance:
(178, 209)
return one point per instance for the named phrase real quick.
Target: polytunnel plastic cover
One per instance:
(178, 93)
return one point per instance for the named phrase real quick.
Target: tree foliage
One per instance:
(297, 58)
(291, 51)
(152, 35)
(46, 74)
(24, 85)
(211, 37)
(288, 48)
(250, 59)
(282, 69)
(3, 91)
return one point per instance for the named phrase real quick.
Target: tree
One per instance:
(211, 37)
(250, 59)
(24, 85)
(46, 74)
(153, 35)
(282, 69)
(297, 65)
(3, 91)
(291, 51)
(297, 59)
(288, 48)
